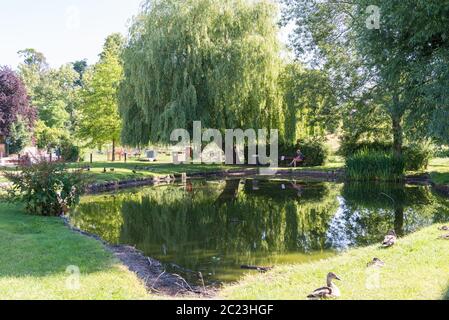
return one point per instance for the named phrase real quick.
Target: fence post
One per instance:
(126, 157)
(91, 158)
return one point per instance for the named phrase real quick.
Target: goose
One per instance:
(390, 239)
(329, 292)
(376, 263)
(444, 228)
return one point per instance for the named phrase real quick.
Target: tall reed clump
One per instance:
(368, 165)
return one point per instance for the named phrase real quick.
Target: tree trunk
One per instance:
(397, 135)
(113, 150)
(396, 116)
(399, 221)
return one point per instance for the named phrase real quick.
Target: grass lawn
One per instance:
(439, 169)
(36, 252)
(416, 268)
(124, 171)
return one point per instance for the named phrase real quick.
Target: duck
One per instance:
(445, 237)
(444, 228)
(390, 239)
(331, 291)
(376, 263)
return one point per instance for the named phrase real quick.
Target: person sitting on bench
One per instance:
(298, 159)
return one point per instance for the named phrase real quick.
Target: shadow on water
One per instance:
(214, 227)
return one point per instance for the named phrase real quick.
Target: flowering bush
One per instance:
(46, 189)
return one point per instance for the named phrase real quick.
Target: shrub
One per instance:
(70, 152)
(350, 148)
(368, 165)
(314, 149)
(46, 189)
(418, 155)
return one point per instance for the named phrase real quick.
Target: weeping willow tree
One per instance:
(309, 102)
(216, 61)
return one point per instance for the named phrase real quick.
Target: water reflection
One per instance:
(217, 226)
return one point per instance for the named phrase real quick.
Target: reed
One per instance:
(368, 165)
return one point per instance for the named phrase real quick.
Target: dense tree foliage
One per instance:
(56, 95)
(400, 67)
(210, 60)
(14, 104)
(309, 102)
(100, 122)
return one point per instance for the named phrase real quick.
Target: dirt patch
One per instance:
(153, 274)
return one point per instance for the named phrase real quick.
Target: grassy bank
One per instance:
(416, 268)
(36, 252)
(439, 169)
(134, 169)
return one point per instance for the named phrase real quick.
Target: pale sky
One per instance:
(64, 30)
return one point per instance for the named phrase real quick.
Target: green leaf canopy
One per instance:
(215, 61)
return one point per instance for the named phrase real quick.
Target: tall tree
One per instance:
(380, 53)
(309, 102)
(216, 61)
(100, 122)
(14, 104)
(80, 67)
(53, 92)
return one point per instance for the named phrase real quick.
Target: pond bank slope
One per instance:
(416, 268)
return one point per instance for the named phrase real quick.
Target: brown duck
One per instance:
(331, 291)
(390, 239)
(376, 263)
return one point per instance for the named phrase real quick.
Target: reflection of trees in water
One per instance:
(238, 221)
(367, 213)
(246, 224)
(100, 215)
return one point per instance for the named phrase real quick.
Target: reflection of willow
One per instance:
(369, 211)
(237, 223)
(101, 216)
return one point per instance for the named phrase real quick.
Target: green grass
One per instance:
(124, 171)
(416, 268)
(439, 169)
(36, 252)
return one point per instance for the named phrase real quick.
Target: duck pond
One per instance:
(214, 227)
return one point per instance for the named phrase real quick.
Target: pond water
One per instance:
(215, 227)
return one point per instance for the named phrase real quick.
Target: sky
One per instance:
(64, 30)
